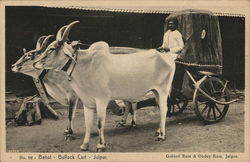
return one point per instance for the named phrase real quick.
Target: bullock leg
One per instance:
(157, 132)
(133, 112)
(71, 114)
(101, 107)
(89, 117)
(126, 112)
(163, 113)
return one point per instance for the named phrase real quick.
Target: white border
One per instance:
(227, 8)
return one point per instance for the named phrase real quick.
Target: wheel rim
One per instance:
(207, 110)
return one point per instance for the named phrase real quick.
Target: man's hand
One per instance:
(179, 57)
(166, 49)
(159, 49)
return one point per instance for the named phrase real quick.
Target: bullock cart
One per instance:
(198, 76)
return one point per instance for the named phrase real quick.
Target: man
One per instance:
(172, 40)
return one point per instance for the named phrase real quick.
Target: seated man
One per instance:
(172, 40)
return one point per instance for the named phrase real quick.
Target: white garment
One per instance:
(173, 41)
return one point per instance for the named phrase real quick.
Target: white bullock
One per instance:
(99, 76)
(55, 82)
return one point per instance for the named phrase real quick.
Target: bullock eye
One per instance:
(32, 57)
(51, 49)
(25, 57)
(29, 55)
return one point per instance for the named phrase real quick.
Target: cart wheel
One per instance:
(177, 103)
(208, 111)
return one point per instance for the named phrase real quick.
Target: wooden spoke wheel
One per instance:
(208, 111)
(176, 103)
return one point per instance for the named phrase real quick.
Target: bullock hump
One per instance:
(97, 46)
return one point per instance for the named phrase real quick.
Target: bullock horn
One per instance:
(60, 32)
(44, 44)
(39, 42)
(66, 31)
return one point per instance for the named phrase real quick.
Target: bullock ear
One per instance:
(75, 44)
(24, 50)
(69, 51)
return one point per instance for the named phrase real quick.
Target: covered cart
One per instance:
(199, 69)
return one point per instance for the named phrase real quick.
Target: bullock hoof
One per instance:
(120, 124)
(69, 137)
(30, 124)
(157, 133)
(67, 131)
(100, 147)
(160, 138)
(84, 147)
(133, 126)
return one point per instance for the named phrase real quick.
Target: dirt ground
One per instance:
(185, 133)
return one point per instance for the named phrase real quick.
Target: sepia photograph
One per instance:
(124, 81)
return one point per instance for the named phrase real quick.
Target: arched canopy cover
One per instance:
(201, 34)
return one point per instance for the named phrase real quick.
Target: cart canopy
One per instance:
(201, 34)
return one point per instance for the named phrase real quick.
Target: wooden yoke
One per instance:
(43, 96)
